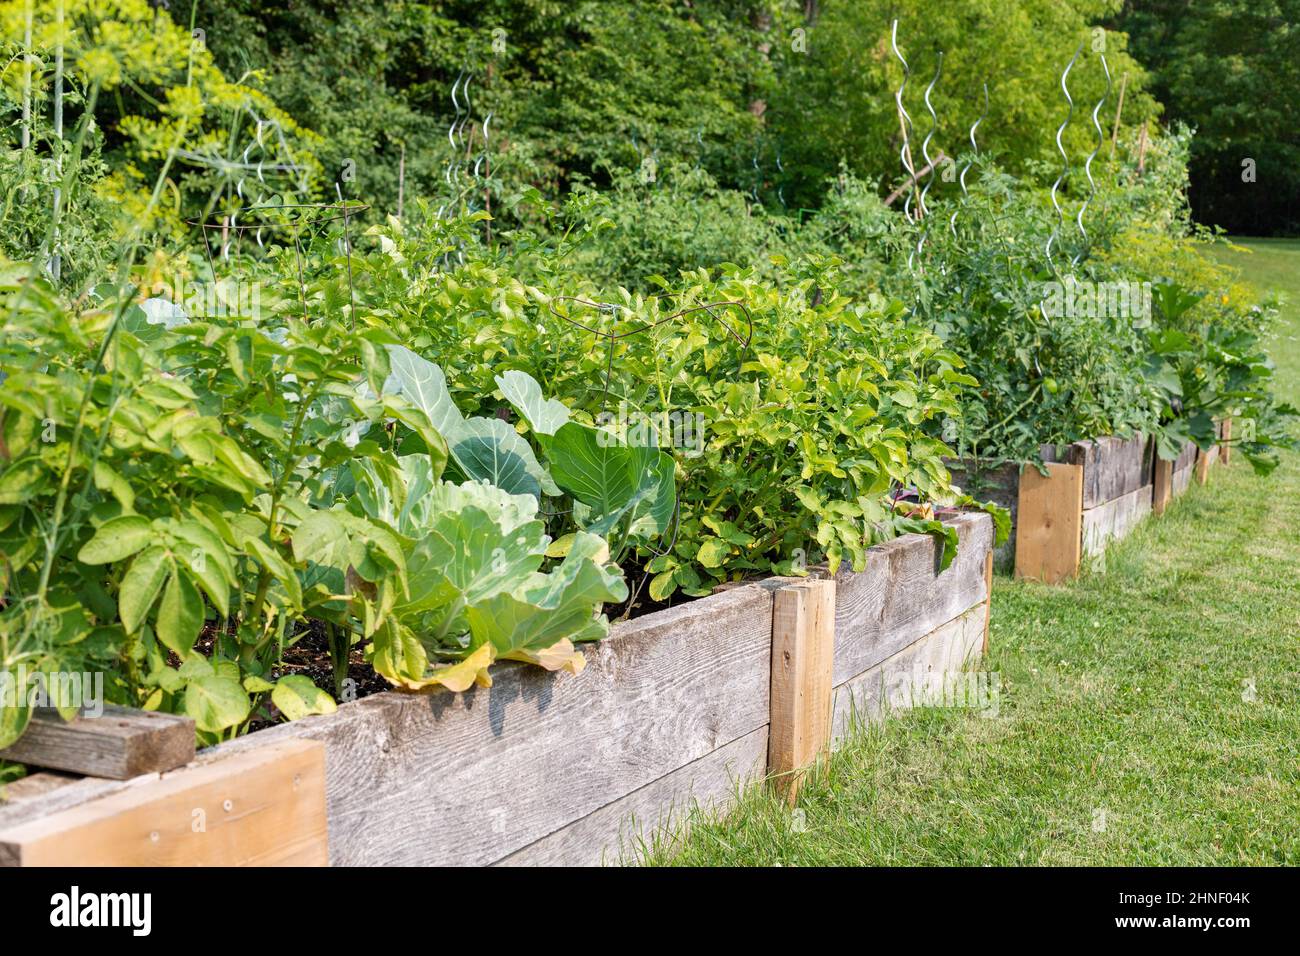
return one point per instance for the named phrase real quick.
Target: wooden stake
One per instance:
(803, 657)
(988, 602)
(889, 200)
(1119, 110)
(1142, 149)
(1163, 486)
(1049, 523)
(1225, 449)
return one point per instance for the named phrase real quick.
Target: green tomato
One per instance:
(1051, 386)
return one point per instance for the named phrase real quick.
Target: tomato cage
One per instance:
(246, 245)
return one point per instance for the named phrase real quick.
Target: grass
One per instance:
(1148, 715)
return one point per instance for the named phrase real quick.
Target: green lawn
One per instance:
(1149, 716)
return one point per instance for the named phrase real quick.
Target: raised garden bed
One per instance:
(1094, 492)
(673, 708)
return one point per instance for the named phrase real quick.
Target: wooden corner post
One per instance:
(1162, 486)
(1049, 523)
(803, 657)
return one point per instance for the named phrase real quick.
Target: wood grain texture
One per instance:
(1114, 519)
(988, 603)
(1112, 467)
(803, 660)
(119, 744)
(659, 810)
(1162, 486)
(898, 683)
(901, 594)
(471, 778)
(264, 807)
(1050, 536)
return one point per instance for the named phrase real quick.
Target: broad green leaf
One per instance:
(140, 586)
(298, 697)
(545, 416)
(180, 614)
(216, 703)
(116, 539)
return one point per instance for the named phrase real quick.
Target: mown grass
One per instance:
(1148, 715)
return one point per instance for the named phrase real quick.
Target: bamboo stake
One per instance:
(915, 178)
(1119, 109)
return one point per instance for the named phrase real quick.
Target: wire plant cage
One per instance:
(320, 235)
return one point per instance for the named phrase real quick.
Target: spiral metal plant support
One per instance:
(1087, 166)
(1065, 159)
(975, 149)
(905, 152)
(929, 161)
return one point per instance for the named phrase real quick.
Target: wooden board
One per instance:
(901, 594)
(1114, 519)
(469, 779)
(988, 604)
(265, 807)
(803, 659)
(1112, 467)
(1182, 479)
(1162, 487)
(658, 811)
(1203, 462)
(891, 686)
(1225, 448)
(1050, 536)
(119, 744)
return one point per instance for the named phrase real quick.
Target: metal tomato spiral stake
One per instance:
(929, 160)
(1065, 160)
(905, 122)
(975, 149)
(1087, 166)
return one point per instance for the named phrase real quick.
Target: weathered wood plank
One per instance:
(658, 811)
(264, 807)
(988, 603)
(1225, 447)
(901, 593)
(119, 744)
(1112, 467)
(34, 786)
(1182, 479)
(471, 778)
(891, 685)
(1049, 538)
(803, 660)
(1114, 519)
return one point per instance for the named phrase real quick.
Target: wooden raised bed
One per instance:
(673, 709)
(1093, 492)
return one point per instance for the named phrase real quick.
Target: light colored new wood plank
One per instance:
(1225, 449)
(803, 660)
(988, 604)
(1162, 487)
(1203, 462)
(119, 744)
(900, 682)
(1114, 519)
(1050, 536)
(660, 810)
(902, 594)
(265, 807)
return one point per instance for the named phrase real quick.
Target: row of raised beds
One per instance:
(361, 535)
